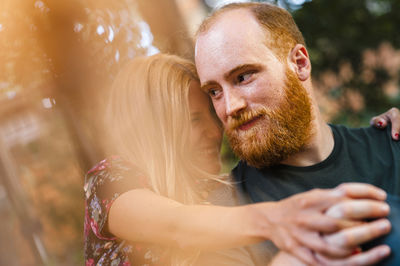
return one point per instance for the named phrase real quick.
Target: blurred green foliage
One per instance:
(341, 31)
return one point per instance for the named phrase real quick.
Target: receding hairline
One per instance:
(274, 20)
(209, 21)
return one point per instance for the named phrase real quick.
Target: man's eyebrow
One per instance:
(241, 68)
(206, 84)
(231, 72)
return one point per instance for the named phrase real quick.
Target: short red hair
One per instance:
(275, 20)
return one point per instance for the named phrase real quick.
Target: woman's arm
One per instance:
(143, 216)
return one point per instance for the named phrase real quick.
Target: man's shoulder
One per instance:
(363, 134)
(360, 142)
(357, 130)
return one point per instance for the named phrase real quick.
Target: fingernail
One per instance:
(382, 194)
(356, 251)
(385, 251)
(396, 136)
(380, 124)
(384, 225)
(385, 208)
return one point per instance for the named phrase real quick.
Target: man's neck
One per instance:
(319, 147)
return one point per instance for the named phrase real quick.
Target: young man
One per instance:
(252, 61)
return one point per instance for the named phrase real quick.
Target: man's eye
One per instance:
(213, 92)
(244, 77)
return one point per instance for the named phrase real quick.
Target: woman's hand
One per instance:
(350, 238)
(369, 257)
(297, 224)
(391, 116)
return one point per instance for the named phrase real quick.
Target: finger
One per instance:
(382, 120)
(369, 257)
(394, 116)
(324, 223)
(395, 133)
(317, 243)
(345, 223)
(361, 190)
(304, 254)
(355, 236)
(359, 209)
(312, 198)
(379, 121)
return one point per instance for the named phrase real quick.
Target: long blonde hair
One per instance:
(149, 121)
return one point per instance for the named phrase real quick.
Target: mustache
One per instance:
(244, 117)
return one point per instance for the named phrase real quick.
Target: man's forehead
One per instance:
(231, 34)
(238, 15)
(230, 22)
(228, 31)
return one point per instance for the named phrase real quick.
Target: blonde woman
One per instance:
(149, 205)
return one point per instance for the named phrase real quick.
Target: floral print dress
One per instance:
(103, 184)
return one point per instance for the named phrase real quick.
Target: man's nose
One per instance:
(234, 102)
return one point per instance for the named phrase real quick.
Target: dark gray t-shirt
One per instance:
(366, 155)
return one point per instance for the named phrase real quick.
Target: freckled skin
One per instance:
(240, 73)
(230, 43)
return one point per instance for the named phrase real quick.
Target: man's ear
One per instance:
(299, 62)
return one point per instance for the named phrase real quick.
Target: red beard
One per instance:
(279, 133)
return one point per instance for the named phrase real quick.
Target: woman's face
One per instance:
(206, 134)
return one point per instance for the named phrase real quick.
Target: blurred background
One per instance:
(57, 57)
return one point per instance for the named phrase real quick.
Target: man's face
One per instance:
(264, 108)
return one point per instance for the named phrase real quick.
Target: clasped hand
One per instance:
(326, 226)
